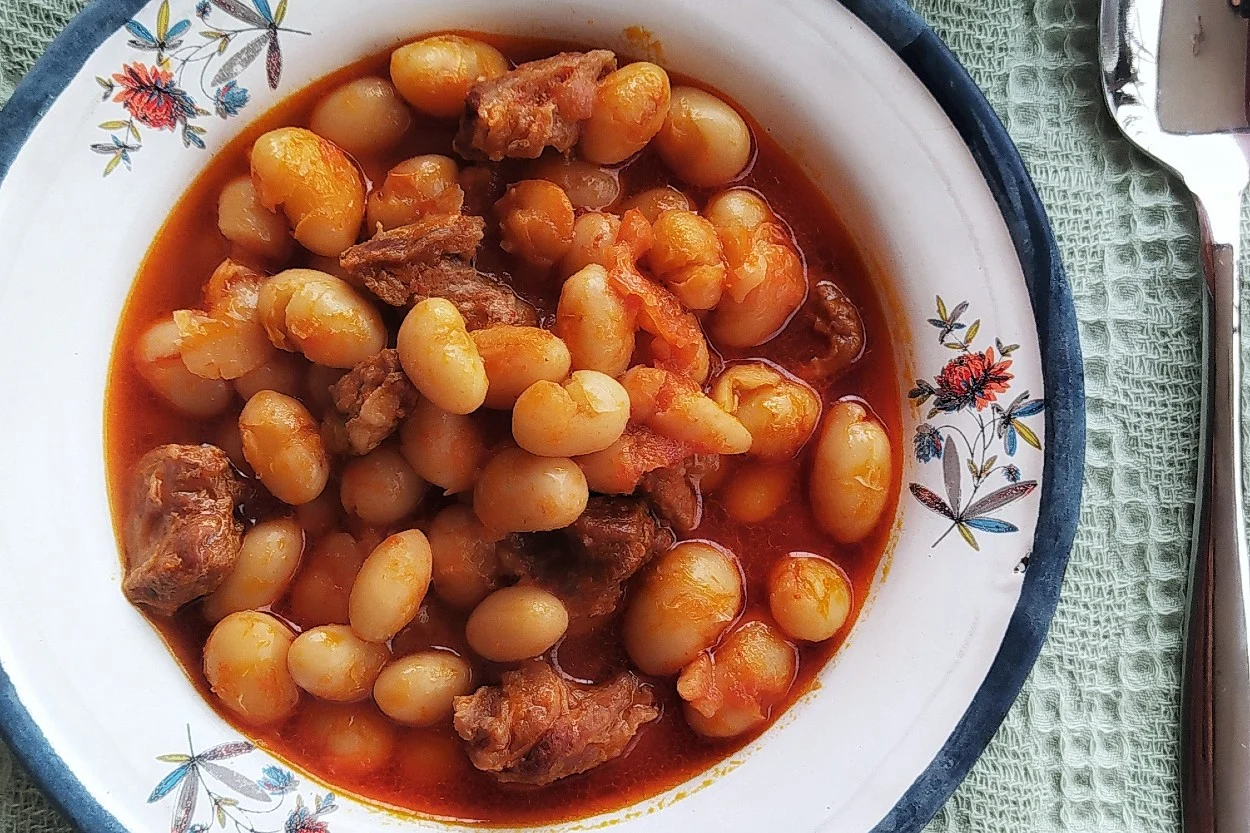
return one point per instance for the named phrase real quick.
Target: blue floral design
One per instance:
(202, 780)
(156, 93)
(230, 99)
(960, 394)
(928, 443)
(277, 781)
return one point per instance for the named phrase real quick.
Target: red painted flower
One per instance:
(971, 380)
(152, 97)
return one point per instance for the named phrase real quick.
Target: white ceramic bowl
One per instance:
(90, 697)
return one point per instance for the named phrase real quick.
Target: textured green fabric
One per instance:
(1091, 744)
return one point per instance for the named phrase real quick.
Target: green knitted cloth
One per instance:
(1091, 745)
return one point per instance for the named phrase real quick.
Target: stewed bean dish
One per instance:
(502, 429)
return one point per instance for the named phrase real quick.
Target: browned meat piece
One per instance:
(588, 563)
(183, 539)
(538, 104)
(674, 491)
(431, 258)
(838, 321)
(374, 398)
(536, 727)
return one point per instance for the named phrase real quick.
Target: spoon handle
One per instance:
(1216, 707)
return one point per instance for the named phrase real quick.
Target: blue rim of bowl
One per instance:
(1000, 163)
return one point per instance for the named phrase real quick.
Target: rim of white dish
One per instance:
(1027, 225)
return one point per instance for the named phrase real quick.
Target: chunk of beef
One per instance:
(538, 104)
(373, 399)
(536, 727)
(183, 539)
(587, 564)
(431, 258)
(674, 490)
(838, 321)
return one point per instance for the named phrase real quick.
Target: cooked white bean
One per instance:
(363, 117)
(780, 411)
(440, 358)
(704, 140)
(594, 323)
(465, 562)
(448, 450)
(517, 357)
(417, 690)
(655, 201)
(757, 490)
(738, 209)
(322, 317)
(317, 185)
(684, 601)
(323, 584)
(390, 586)
(851, 472)
(765, 280)
(413, 189)
(585, 414)
(735, 689)
(380, 487)
(224, 339)
(346, 738)
(588, 187)
(159, 363)
(268, 558)
(333, 663)
(535, 221)
(248, 224)
(434, 74)
(521, 492)
(283, 443)
(516, 623)
(630, 107)
(809, 596)
(245, 664)
(686, 256)
(674, 406)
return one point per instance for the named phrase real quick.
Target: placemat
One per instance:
(1091, 745)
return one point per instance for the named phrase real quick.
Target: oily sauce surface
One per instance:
(429, 770)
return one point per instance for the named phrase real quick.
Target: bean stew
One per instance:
(503, 430)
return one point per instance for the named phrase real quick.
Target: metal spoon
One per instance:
(1216, 709)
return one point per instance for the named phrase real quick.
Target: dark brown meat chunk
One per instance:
(837, 320)
(588, 563)
(536, 727)
(674, 490)
(538, 104)
(183, 538)
(373, 399)
(431, 258)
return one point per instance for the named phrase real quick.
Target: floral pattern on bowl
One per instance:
(235, 801)
(965, 386)
(156, 94)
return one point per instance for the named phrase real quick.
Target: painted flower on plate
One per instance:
(972, 380)
(277, 781)
(928, 443)
(152, 97)
(230, 99)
